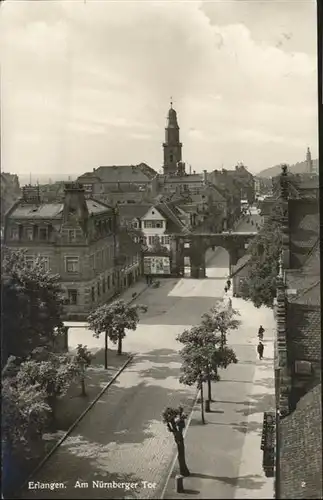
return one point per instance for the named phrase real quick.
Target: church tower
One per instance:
(309, 161)
(172, 146)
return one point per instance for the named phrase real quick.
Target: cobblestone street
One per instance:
(122, 438)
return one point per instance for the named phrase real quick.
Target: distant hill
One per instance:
(298, 168)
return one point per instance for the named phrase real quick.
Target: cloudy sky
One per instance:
(87, 83)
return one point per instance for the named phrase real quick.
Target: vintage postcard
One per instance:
(160, 249)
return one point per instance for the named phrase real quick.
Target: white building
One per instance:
(155, 223)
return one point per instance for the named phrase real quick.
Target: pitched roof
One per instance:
(186, 179)
(130, 211)
(125, 173)
(52, 210)
(301, 449)
(173, 223)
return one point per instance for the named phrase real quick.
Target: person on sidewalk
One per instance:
(225, 289)
(261, 333)
(260, 350)
(228, 283)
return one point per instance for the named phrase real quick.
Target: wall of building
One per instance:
(154, 217)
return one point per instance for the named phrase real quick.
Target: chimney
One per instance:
(75, 203)
(204, 176)
(31, 194)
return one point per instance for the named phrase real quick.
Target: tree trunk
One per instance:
(209, 388)
(52, 404)
(202, 403)
(119, 343)
(83, 393)
(183, 469)
(106, 351)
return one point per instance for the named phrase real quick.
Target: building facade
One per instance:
(118, 179)
(298, 451)
(76, 238)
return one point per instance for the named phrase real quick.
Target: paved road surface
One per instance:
(122, 438)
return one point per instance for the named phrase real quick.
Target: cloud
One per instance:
(93, 82)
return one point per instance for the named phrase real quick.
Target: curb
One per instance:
(138, 294)
(185, 432)
(77, 421)
(175, 458)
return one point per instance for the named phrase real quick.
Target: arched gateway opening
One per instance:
(194, 248)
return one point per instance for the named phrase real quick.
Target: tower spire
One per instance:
(172, 146)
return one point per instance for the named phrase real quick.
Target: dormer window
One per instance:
(71, 235)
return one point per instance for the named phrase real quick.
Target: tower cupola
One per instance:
(172, 145)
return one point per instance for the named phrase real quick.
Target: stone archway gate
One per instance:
(234, 242)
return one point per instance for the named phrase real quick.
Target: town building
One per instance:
(152, 223)
(10, 192)
(298, 348)
(118, 179)
(76, 237)
(245, 181)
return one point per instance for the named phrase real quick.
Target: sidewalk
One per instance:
(224, 455)
(139, 287)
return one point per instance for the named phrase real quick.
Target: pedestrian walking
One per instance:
(225, 289)
(228, 283)
(261, 332)
(260, 350)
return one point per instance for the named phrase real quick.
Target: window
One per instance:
(165, 240)
(153, 224)
(29, 260)
(151, 240)
(14, 233)
(135, 224)
(108, 282)
(43, 233)
(71, 264)
(93, 294)
(113, 280)
(29, 233)
(44, 262)
(99, 289)
(103, 286)
(71, 235)
(171, 158)
(88, 188)
(72, 297)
